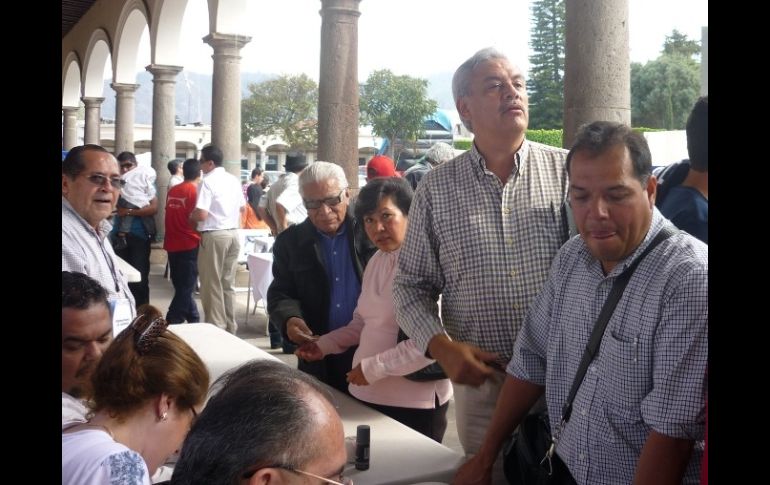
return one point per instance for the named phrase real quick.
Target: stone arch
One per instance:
(97, 52)
(164, 32)
(227, 17)
(71, 81)
(131, 24)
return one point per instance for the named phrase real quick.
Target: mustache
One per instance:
(512, 105)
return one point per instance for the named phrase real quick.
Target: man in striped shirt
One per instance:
(483, 230)
(639, 410)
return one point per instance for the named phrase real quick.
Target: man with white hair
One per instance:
(439, 153)
(317, 269)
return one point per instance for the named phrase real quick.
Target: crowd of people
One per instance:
(495, 264)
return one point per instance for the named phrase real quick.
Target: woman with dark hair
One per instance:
(381, 360)
(146, 389)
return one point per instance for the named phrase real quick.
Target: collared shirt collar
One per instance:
(480, 165)
(104, 227)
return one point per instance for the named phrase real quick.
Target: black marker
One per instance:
(362, 447)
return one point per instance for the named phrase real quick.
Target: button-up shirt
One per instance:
(344, 286)
(86, 250)
(220, 195)
(649, 373)
(483, 244)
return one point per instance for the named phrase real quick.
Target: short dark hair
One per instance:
(377, 189)
(255, 172)
(74, 164)
(81, 292)
(698, 135)
(173, 166)
(599, 136)
(213, 153)
(127, 157)
(191, 169)
(259, 415)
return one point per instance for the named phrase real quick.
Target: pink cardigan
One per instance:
(375, 330)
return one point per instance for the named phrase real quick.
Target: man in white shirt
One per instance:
(217, 214)
(284, 202)
(86, 331)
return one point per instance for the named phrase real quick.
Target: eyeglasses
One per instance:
(328, 202)
(341, 479)
(99, 180)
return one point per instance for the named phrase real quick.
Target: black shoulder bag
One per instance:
(530, 458)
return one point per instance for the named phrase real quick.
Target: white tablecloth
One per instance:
(260, 274)
(132, 274)
(254, 241)
(398, 454)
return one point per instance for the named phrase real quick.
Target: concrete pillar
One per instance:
(338, 86)
(163, 129)
(70, 128)
(226, 97)
(281, 162)
(597, 72)
(251, 155)
(93, 120)
(124, 116)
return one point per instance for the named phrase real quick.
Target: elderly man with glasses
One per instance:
(91, 185)
(317, 269)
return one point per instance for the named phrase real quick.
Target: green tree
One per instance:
(285, 106)
(678, 43)
(395, 106)
(546, 72)
(663, 91)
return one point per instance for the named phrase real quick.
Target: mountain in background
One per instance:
(193, 95)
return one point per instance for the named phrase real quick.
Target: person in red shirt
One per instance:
(181, 244)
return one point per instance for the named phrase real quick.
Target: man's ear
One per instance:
(462, 108)
(65, 184)
(266, 476)
(651, 189)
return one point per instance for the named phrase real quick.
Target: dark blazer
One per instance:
(300, 288)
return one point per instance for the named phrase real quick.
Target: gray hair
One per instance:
(320, 171)
(439, 153)
(261, 413)
(461, 81)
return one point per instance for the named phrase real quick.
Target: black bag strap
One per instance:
(604, 317)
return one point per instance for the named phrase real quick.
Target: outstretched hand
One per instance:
(309, 351)
(463, 363)
(298, 331)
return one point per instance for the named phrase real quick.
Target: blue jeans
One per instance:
(184, 275)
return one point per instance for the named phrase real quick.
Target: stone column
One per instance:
(124, 116)
(338, 86)
(93, 120)
(597, 72)
(70, 128)
(226, 97)
(163, 131)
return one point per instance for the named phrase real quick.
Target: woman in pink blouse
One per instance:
(381, 361)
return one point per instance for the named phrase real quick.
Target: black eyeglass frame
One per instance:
(328, 202)
(99, 180)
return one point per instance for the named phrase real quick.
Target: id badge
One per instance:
(120, 308)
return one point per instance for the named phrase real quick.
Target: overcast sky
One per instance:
(415, 37)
